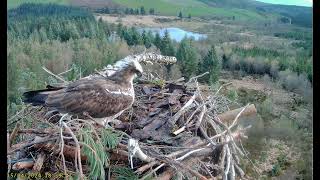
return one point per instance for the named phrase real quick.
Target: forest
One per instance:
(51, 27)
(64, 38)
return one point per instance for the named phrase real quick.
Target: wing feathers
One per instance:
(90, 96)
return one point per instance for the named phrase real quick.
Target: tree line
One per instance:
(133, 11)
(40, 34)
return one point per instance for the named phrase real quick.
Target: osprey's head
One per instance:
(135, 67)
(127, 71)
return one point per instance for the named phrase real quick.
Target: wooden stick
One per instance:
(54, 75)
(38, 164)
(14, 132)
(182, 110)
(8, 156)
(37, 140)
(23, 165)
(78, 150)
(228, 116)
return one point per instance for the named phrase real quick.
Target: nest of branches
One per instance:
(172, 129)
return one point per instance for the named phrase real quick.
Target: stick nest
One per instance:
(172, 129)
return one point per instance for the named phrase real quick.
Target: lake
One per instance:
(176, 34)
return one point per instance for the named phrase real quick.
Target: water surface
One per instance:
(176, 34)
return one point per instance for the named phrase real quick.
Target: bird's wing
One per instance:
(92, 96)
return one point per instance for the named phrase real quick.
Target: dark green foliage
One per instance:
(180, 15)
(147, 39)
(281, 164)
(131, 11)
(166, 46)
(255, 51)
(123, 173)
(296, 35)
(55, 23)
(127, 11)
(157, 40)
(142, 11)
(96, 154)
(211, 64)
(104, 10)
(136, 12)
(189, 16)
(28, 10)
(151, 11)
(186, 57)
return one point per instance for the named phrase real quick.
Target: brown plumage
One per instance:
(98, 96)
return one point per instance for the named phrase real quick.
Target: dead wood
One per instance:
(39, 162)
(159, 134)
(14, 132)
(23, 165)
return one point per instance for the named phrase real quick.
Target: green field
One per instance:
(15, 3)
(194, 7)
(168, 7)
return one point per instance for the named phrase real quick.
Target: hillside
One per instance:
(15, 3)
(299, 15)
(240, 9)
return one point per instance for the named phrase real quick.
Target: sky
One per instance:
(290, 2)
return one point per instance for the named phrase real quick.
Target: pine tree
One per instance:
(119, 30)
(136, 37)
(186, 56)
(127, 11)
(50, 33)
(142, 11)
(106, 10)
(147, 41)
(166, 47)
(212, 65)
(151, 11)
(157, 40)
(131, 11)
(180, 15)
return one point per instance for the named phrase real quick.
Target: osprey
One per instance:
(98, 96)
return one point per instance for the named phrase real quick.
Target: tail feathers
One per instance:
(35, 98)
(39, 97)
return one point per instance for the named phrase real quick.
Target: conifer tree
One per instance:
(151, 11)
(131, 11)
(146, 39)
(127, 11)
(166, 47)
(180, 15)
(142, 11)
(186, 56)
(212, 65)
(157, 40)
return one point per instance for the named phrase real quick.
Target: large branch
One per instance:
(141, 58)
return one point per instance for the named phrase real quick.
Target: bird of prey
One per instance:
(102, 98)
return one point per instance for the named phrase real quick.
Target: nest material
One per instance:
(173, 129)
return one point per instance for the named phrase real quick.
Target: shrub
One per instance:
(296, 83)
